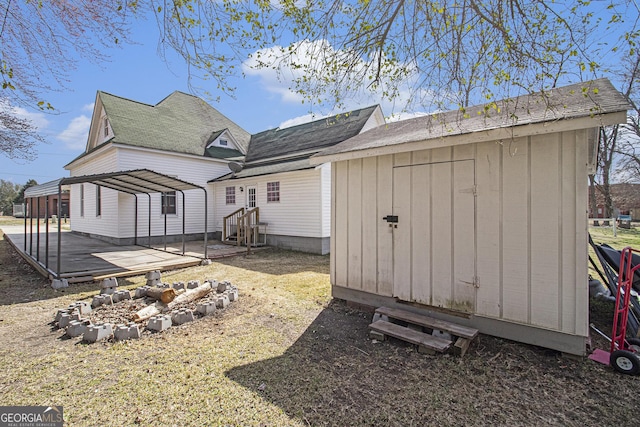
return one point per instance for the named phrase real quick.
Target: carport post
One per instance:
(149, 196)
(59, 260)
(164, 211)
(24, 213)
(135, 222)
(206, 230)
(183, 220)
(46, 231)
(31, 227)
(38, 229)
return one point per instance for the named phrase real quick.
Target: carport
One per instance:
(137, 182)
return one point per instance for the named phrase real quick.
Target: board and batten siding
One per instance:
(107, 223)
(299, 211)
(525, 239)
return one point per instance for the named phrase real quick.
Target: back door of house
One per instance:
(252, 195)
(434, 238)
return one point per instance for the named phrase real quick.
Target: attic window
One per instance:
(106, 126)
(223, 142)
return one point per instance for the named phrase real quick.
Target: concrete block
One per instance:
(126, 332)
(232, 294)
(121, 295)
(181, 316)
(59, 313)
(222, 301)
(59, 283)
(223, 286)
(192, 284)
(82, 306)
(159, 323)
(66, 318)
(141, 292)
(101, 299)
(206, 261)
(109, 286)
(162, 285)
(153, 275)
(206, 308)
(213, 283)
(178, 285)
(96, 333)
(77, 327)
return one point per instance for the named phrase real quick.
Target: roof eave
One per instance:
(496, 134)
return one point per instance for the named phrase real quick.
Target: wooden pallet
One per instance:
(422, 340)
(462, 335)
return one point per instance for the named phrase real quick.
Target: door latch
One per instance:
(391, 218)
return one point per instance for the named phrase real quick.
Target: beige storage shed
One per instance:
(476, 216)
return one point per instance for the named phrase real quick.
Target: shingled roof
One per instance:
(308, 137)
(588, 99)
(179, 123)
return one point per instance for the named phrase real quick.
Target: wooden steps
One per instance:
(386, 323)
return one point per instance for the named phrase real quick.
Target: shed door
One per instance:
(434, 242)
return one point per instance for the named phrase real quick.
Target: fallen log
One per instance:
(148, 311)
(166, 295)
(190, 295)
(159, 307)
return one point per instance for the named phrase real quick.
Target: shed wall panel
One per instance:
(369, 225)
(530, 216)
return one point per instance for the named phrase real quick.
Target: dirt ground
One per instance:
(286, 354)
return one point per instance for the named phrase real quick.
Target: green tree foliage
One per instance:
(20, 195)
(431, 53)
(8, 192)
(40, 42)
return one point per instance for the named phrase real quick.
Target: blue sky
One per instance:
(137, 72)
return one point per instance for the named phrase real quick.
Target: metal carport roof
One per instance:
(134, 182)
(138, 181)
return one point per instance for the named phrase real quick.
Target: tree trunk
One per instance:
(166, 295)
(592, 199)
(159, 307)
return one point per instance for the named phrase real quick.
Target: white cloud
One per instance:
(300, 120)
(88, 107)
(76, 133)
(279, 68)
(38, 120)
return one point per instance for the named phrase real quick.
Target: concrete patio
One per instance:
(84, 258)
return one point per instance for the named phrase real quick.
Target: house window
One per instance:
(273, 191)
(231, 195)
(169, 203)
(98, 200)
(81, 199)
(224, 142)
(106, 127)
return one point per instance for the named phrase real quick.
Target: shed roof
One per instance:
(307, 137)
(592, 99)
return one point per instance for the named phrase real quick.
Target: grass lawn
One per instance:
(285, 354)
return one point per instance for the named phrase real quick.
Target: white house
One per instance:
(181, 136)
(478, 217)
(293, 196)
(185, 138)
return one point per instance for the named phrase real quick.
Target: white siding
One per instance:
(529, 242)
(299, 211)
(325, 198)
(107, 224)
(118, 209)
(187, 168)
